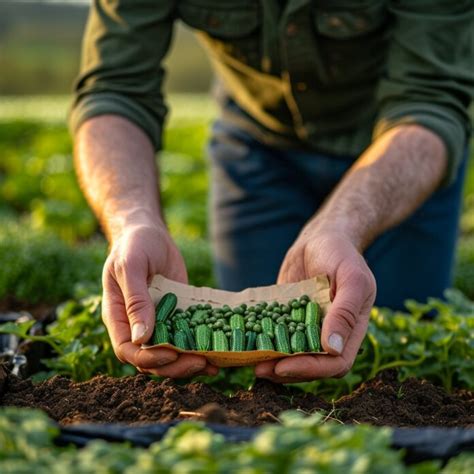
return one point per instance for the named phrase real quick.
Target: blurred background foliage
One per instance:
(51, 247)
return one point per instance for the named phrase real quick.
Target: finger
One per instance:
(115, 317)
(266, 370)
(118, 327)
(209, 370)
(355, 294)
(187, 365)
(292, 269)
(312, 367)
(152, 358)
(132, 279)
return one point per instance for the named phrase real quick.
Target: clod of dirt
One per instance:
(213, 413)
(138, 400)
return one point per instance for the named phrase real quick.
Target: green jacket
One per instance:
(325, 75)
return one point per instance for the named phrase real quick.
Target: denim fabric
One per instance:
(262, 196)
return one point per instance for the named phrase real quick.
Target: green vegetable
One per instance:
(160, 334)
(312, 336)
(282, 340)
(298, 314)
(166, 307)
(237, 340)
(180, 340)
(237, 321)
(219, 341)
(183, 325)
(251, 338)
(313, 314)
(203, 337)
(267, 326)
(264, 343)
(298, 341)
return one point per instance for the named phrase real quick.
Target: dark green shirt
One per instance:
(324, 75)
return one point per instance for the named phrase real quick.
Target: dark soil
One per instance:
(136, 400)
(39, 311)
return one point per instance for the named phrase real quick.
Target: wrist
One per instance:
(342, 227)
(127, 221)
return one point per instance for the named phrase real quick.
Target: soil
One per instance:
(40, 311)
(138, 400)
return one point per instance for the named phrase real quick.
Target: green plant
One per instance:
(79, 339)
(299, 444)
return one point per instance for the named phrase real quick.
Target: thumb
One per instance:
(138, 304)
(349, 312)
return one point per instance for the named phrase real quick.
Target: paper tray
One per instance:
(316, 288)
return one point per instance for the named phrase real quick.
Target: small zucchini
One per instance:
(312, 336)
(282, 340)
(251, 338)
(237, 343)
(298, 342)
(237, 322)
(180, 340)
(165, 307)
(183, 325)
(264, 343)
(219, 341)
(203, 337)
(313, 314)
(267, 326)
(297, 315)
(160, 334)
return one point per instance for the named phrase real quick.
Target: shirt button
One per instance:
(301, 86)
(291, 29)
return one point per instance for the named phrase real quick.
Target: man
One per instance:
(340, 150)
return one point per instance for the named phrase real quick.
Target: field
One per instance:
(51, 254)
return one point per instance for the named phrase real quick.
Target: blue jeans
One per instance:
(262, 196)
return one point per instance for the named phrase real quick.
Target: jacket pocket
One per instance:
(345, 19)
(230, 27)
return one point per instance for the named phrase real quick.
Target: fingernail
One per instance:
(138, 331)
(336, 342)
(285, 374)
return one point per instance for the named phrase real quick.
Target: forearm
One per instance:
(115, 164)
(394, 176)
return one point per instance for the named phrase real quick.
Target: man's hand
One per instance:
(344, 327)
(128, 311)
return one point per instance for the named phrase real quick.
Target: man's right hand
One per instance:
(128, 312)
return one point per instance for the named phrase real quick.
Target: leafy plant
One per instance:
(39, 267)
(79, 339)
(299, 444)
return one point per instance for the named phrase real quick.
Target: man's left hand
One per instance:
(353, 291)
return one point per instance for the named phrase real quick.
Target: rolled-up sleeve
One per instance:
(429, 78)
(124, 44)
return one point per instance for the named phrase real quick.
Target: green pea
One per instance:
(238, 310)
(285, 309)
(251, 309)
(228, 333)
(264, 313)
(243, 306)
(228, 314)
(295, 304)
(252, 318)
(291, 329)
(192, 308)
(226, 308)
(249, 325)
(281, 319)
(212, 319)
(207, 306)
(257, 328)
(277, 310)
